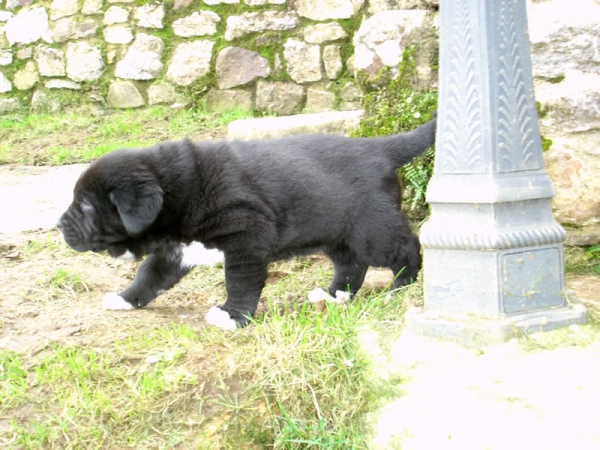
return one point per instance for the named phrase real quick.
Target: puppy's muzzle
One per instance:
(72, 236)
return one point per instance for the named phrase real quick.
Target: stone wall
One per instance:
(281, 56)
(565, 38)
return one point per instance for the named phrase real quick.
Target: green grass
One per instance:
(13, 381)
(289, 381)
(44, 139)
(67, 280)
(583, 261)
(47, 241)
(293, 379)
(562, 337)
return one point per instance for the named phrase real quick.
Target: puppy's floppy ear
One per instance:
(138, 206)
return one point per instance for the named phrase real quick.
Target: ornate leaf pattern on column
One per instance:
(462, 127)
(516, 144)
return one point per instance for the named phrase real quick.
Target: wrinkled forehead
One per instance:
(81, 177)
(87, 185)
(80, 184)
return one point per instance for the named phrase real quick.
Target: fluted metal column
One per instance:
(493, 255)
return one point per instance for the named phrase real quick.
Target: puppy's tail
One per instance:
(404, 147)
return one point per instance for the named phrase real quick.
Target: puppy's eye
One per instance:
(86, 206)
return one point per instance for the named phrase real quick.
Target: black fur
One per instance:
(257, 201)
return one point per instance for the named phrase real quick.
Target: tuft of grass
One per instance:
(572, 336)
(120, 128)
(51, 245)
(48, 241)
(581, 261)
(228, 116)
(13, 380)
(320, 381)
(64, 280)
(97, 397)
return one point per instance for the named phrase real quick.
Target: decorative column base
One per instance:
(493, 271)
(471, 330)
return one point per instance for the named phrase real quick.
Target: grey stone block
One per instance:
(274, 127)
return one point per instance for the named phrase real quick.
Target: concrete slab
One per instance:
(33, 198)
(338, 122)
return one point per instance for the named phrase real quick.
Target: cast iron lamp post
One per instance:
(493, 254)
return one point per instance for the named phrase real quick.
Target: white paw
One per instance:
(114, 301)
(127, 256)
(220, 319)
(342, 297)
(196, 254)
(318, 294)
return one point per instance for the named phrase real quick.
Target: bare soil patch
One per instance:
(53, 294)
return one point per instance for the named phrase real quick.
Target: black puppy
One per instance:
(256, 202)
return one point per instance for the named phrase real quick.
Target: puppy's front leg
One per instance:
(158, 272)
(244, 279)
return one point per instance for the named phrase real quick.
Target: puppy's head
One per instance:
(115, 201)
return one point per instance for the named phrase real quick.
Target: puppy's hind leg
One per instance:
(158, 272)
(348, 276)
(407, 262)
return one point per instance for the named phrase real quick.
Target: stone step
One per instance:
(338, 122)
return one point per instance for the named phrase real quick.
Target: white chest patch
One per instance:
(127, 256)
(195, 254)
(114, 301)
(220, 319)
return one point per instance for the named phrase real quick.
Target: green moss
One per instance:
(145, 2)
(435, 61)
(99, 86)
(268, 44)
(397, 106)
(67, 96)
(546, 143)
(17, 64)
(225, 9)
(166, 34)
(556, 79)
(23, 96)
(199, 88)
(351, 25)
(542, 111)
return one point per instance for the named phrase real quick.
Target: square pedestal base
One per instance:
(472, 330)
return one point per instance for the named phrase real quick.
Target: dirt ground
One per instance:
(507, 399)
